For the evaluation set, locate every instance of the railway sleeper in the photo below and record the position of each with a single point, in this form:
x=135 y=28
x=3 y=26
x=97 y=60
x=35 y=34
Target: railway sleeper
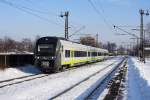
x=115 y=85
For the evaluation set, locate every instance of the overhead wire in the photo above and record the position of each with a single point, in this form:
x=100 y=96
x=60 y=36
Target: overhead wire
x=102 y=9
x=34 y=12
x=104 y=14
x=72 y=27
x=100 y=14
x=126 y=26
x=106 y=21
x=83 y=27
x=29 y=11
x=126 y=31
x=47 y=12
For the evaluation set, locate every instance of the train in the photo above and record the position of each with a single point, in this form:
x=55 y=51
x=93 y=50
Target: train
x=53 y=54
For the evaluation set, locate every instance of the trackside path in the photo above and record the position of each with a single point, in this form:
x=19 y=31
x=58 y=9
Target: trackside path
x=138 y=82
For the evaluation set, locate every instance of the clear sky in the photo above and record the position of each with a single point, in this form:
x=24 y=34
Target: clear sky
x=16 y=23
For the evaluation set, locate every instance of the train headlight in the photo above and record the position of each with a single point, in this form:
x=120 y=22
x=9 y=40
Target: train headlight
x=36 y=57
x=53 y=58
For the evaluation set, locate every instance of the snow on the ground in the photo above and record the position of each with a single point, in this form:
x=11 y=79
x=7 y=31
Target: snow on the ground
x=17 y=53
x=10 y=73
x=147 y=61
x=138 y=80
x=103 y=94
x=49 y=86
x=125 y=86
x=81 y=91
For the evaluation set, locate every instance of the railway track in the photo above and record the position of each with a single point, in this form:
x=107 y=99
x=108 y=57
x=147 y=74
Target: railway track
x=18 y=80
x=116 y=86
x=109 y=83
x=22 y=79
x=84 y=80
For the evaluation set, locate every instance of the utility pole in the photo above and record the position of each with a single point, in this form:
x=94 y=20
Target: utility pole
x=66 y=14
x=137 y=47
x=137 y=43
x=142 y=55
x=97 y=39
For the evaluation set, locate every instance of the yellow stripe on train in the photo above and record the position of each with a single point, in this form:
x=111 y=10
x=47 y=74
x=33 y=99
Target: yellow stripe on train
x=74 y=61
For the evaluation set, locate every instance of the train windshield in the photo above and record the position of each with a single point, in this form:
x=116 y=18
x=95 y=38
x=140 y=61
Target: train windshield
x=46 y=49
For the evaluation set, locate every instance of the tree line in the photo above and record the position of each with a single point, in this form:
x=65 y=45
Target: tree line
x=91 y=41
x=8 y=44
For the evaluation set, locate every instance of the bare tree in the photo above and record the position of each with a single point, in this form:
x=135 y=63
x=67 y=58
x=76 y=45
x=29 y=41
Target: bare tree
x=9 y=44
x=27 y=44
x=111 y=47
x=148 y=30
x=1 y=45
x=121 y=50
x=147 y=34
x=88 y=40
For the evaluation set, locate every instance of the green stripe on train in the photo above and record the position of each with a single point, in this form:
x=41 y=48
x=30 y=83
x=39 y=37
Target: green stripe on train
x=73 y=61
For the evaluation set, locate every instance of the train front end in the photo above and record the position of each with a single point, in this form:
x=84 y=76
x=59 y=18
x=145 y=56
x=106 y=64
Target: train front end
x=46 y=54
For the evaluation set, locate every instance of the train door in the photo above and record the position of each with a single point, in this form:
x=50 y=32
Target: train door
x=62 y=55
x=88 y=56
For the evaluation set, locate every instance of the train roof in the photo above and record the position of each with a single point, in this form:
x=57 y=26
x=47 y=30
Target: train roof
x=63 y=39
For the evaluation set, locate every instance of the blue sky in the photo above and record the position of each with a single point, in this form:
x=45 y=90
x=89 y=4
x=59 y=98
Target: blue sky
x=18 y=24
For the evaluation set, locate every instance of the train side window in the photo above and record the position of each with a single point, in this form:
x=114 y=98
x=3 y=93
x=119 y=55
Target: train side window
x=89 y=54
x=104 y=54
x=80 y=54
x=67 y=53
x=94 y=54
x=99 y=54
x=77 y=54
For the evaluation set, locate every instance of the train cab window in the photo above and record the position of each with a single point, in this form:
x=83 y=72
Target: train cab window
x=67 y=53
x=46 y=49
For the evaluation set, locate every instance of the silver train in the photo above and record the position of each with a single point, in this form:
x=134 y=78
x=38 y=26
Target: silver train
x=53 y=54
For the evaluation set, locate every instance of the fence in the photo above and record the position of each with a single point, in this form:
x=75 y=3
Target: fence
x=13 y=60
